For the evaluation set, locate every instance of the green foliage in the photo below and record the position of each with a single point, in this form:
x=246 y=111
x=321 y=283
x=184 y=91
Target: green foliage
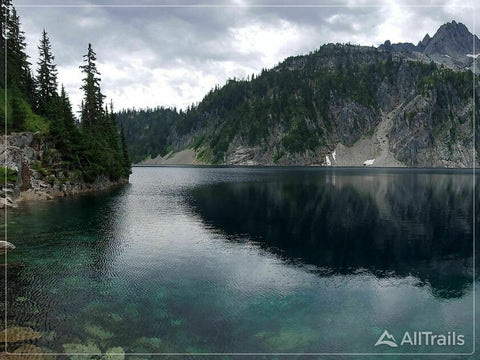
x=277 y=155
x=9 y=174
x=300 y=137
x=148 y=131
x=20 y=114
x=447 y=89
x=459 y=82
x=205 y=155
x=198 y=141
x=46 y=79
x=37 y=166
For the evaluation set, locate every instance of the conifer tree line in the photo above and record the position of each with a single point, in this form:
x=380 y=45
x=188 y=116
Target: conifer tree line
x=90 y=146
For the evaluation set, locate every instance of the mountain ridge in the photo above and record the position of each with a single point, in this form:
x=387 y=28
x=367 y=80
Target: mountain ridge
x=339 y=105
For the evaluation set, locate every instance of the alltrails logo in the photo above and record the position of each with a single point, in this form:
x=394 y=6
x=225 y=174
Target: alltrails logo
x=386 y=339
x=419 y=338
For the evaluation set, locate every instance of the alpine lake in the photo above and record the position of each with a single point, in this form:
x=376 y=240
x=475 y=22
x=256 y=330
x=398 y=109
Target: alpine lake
x=259 y=260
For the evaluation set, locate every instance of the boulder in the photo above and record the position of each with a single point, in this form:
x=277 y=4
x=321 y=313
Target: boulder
x=29 y=352
x=5 y=246
x=19 y=334
x=20 y=139
x=89 y=348
x=5 y=202
x=116 y=353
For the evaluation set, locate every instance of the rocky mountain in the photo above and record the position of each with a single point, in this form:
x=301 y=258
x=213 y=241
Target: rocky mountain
x=395 y=105
x=451 y=46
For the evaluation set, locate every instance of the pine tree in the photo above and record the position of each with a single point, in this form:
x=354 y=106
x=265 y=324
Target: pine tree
x=92 y=108
x=126 y=159
x=30 y=92
x=103 y=155
x=46 y=77
x=63 y=129
x=5 y=10
x=18 y=112
x=116 y=165
x=66 y=109
x=18 y=65
x=18 y=82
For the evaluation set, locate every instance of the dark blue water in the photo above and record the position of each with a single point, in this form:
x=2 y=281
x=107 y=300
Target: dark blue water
x=235 y=260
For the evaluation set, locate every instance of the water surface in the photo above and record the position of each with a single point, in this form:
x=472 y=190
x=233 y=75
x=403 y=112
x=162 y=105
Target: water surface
x=248 y=260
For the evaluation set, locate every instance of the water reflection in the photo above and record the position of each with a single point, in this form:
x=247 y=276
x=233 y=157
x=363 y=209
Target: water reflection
x=246 y=260
x=390 y=224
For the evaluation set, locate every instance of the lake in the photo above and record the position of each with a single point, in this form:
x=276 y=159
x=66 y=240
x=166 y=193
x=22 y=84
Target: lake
x=248 y=260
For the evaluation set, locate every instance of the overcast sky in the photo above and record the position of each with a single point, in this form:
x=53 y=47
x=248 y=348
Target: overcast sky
x=172 y=56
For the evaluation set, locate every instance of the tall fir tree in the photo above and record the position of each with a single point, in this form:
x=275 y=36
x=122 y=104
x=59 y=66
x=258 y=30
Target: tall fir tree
x=92 y=108
x=126 y=159
x=46 y=79
x=19 y=81
x=5 y=10
x=18 y=64
x=63 y=129
x=103 y=154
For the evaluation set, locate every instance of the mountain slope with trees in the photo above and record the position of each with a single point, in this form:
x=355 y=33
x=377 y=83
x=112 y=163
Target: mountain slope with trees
x=340 y=105
x=61 y=152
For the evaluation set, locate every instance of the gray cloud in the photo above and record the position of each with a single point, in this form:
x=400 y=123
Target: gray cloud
x=172 y=56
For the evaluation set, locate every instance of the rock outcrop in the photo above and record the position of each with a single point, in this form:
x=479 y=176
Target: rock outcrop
x=22 y=155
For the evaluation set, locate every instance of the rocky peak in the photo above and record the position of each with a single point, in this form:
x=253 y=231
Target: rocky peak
x=423 y=44
x=451 y=46
x=452 y=39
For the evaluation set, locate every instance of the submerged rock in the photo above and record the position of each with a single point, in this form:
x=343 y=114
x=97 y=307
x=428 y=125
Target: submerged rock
x=149 y=344
x=7 y=202
x=113 y=317
x=18 y=334
x=30 y=352
x=116 y=353
x=49 y=336
x=98 y=332
x=89 y=348
x=5 y=247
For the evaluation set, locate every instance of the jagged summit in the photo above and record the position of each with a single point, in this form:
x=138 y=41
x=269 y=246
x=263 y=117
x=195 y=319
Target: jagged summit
x=423 y=44
x=452 y=39
x=449 y=46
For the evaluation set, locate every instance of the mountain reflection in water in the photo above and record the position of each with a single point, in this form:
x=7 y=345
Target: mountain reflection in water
x=390 y=224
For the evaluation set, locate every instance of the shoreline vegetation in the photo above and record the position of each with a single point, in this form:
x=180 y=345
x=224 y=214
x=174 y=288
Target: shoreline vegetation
x=333 y=167
x=48 y=151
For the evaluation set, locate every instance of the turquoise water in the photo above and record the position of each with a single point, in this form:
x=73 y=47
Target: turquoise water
x=235 y=260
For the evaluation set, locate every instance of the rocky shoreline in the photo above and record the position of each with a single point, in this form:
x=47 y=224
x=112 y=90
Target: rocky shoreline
x=26 y=179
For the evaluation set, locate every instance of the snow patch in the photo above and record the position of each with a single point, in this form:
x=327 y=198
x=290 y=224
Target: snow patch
x=448 y=55
x=327 y=160
x=473 y=56
x=334 y=155
x=368 y=162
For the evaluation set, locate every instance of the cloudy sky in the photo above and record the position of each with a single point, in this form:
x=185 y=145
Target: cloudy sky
x=153 y=54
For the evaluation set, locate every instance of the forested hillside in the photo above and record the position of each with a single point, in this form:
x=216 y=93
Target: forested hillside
x=341 y=104
x=68 y=150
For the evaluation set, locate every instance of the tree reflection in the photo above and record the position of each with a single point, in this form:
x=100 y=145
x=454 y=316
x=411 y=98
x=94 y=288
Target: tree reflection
x=397 y=224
